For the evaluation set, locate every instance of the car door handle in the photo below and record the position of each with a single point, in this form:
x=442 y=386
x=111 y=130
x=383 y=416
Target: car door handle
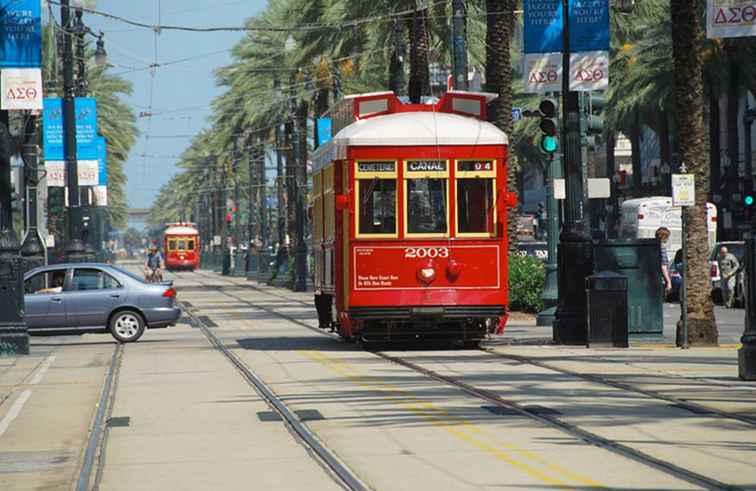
x=115 y=295
x=56 y=299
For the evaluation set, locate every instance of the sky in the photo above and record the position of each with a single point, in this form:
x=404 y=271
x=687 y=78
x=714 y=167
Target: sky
x=180 y=94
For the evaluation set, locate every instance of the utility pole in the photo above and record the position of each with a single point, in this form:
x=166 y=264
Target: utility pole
x=301 y=189
x=575 y=257
x=550 y=293
x=254 y=262
x=459 y=43
x=239 y=256
x=225 y=222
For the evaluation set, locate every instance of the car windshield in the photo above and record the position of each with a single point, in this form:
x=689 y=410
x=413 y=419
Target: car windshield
x=735 y=248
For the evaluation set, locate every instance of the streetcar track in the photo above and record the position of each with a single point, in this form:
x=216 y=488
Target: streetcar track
x=94 y=455
x=542 y=417
x=339 y=471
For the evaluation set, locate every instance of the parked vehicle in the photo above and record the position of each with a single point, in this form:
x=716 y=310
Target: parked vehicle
x=641 y=217
x=737 y=248
x=94 y=297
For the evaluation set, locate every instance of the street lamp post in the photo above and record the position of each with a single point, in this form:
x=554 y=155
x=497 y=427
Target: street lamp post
x=75 y=247
x=747 y=353
x=575 y=257
x=14 y=338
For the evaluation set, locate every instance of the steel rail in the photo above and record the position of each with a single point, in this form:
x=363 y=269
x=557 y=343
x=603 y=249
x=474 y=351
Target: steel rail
x=554 y=422
x=572 y=430
x=597 y=379
x=97 y=434
x=337 y=469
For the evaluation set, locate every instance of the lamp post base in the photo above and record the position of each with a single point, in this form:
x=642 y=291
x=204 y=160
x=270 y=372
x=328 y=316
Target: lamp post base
x=14 y=338
x=747 y=359
x=76 y=252
x=575 y=264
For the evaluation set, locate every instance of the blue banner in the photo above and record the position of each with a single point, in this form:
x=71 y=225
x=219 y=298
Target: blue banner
x=86 y=128
x=20 y=34
x=102 y=160
x=325 y=130
x=589 y=26
x=543 y=26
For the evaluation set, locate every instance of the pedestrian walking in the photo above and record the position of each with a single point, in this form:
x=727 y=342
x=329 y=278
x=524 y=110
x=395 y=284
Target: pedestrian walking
x=728 y=270
x=662 y=233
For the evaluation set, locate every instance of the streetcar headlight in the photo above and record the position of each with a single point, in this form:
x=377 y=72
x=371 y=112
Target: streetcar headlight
x=426 y=273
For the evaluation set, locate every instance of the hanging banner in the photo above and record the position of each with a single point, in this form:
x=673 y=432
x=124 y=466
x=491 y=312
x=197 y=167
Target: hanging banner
x=589 y=26
x=730 y=18
x=86 y=170
x=325 y=128
x=589 y=71
x=86 y=127
x=102 y=160
x=20 y=34
x=543 y=73
x=100 y=195
x=21 y=89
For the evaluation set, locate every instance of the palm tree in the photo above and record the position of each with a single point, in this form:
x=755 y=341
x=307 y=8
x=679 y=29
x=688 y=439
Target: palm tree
x=687 y=48
x=499 y=32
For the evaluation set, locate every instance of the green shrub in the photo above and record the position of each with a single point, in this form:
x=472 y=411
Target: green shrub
x=526 y=281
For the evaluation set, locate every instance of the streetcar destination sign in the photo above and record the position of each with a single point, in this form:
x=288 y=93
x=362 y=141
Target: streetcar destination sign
x=426 y=166
x=387 y=166
x=475 y=165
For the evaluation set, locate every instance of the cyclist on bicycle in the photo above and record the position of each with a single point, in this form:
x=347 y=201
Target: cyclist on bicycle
x=153 y=265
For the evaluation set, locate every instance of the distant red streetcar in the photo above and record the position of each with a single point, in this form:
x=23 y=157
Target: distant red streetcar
x=409 y=220
x=181 y=246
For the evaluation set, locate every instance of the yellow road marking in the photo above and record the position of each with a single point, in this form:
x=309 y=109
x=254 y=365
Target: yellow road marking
x=440 y=418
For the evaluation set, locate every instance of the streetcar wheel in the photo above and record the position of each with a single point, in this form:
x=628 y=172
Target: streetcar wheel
x=127 y=326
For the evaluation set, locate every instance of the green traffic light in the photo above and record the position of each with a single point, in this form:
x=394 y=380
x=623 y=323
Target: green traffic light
x=748 y=200
x=549 y=144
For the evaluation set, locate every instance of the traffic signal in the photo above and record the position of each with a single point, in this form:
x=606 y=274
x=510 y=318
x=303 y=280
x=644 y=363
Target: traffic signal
x=549 y=142
x=593 y=123
x=748 y=200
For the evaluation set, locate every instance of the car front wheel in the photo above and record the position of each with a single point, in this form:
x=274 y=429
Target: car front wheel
x=127 y=326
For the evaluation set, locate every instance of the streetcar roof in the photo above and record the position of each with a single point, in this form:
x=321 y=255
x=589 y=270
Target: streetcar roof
x=407 y=129
x=181 y=231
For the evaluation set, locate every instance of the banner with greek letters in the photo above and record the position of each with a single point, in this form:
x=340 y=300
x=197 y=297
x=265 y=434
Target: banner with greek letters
x=543 y=72
x=589 y=71
x=730 y=18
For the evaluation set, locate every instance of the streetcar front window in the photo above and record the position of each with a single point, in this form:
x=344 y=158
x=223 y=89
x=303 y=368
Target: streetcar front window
x=182 y=245
x=475 y=206
x=426 y=206
x=171 y=245
x=377 y=207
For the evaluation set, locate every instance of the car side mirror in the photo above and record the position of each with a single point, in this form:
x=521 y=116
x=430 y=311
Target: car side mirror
x=342 y=202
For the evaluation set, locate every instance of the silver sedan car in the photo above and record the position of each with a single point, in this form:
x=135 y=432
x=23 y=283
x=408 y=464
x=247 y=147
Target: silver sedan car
x=93 y=297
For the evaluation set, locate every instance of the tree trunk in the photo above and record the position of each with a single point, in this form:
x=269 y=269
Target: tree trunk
x=291 y=226
x=499 y=29
x=419 y=83
x=715 y=165
x=687 y=42
x=665 y=153
x=396 y=81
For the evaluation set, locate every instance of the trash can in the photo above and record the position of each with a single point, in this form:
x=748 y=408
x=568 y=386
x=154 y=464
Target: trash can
x=640 y=261
x=607 y=309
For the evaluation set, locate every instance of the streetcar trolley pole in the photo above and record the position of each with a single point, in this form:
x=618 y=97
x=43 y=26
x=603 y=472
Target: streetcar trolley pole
x=684 y=195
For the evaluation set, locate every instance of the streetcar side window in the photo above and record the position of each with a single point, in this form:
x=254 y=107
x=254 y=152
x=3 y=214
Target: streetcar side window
x=171 y=245
x=426 y=206
x=190 y=245
x=475 y=206
x=377 y=207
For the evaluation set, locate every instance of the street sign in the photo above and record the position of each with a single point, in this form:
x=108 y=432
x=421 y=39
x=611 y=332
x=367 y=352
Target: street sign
x=325 y=129
x=21 y=89
x=683 y=190
x=730 y=18
x=86 y=128
x=516 y=113
x=20 y=34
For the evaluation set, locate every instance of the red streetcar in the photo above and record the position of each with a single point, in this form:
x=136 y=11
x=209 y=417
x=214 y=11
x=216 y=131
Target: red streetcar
x=181 y=244
x=410 y=220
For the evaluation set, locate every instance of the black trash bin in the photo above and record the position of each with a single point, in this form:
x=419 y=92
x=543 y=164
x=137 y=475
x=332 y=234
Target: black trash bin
x=607 y=309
